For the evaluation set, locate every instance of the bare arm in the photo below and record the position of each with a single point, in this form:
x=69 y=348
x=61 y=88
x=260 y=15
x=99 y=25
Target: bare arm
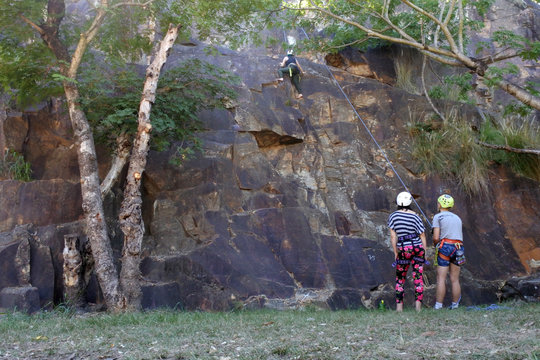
x=423 y=238
x=436 y=235
x=393 y=240
x=283 y=62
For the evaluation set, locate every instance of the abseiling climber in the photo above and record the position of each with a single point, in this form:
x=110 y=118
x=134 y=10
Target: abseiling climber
x=291 y=67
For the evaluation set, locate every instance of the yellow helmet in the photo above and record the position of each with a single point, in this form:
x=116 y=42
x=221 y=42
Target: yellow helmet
x=446 y=201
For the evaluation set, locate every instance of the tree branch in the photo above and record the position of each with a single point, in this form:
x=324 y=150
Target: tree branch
x=426 y=92
x=449 y=13
x=509 y=148
x=128 y=3
x=32 y=24
x=438 y=28
x=456 y=53
x=393 y=26
x=375 y=33
x=86 y=38
x=349 y=44
x=460 y=30
x=497 y=58
x=520 y=94
x=123 y=146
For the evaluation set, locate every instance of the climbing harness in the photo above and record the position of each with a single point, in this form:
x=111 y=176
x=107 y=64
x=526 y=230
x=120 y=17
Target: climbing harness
x=370 y=134
x=292 y=66
x=458 y=251
x=407 y=237
x=418 y=259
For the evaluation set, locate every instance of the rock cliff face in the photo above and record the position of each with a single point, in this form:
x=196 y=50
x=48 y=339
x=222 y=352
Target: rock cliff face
x=286 y=205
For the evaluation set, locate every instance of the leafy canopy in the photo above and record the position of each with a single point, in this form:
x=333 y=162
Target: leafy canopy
x=27 y=66
x=111 y=100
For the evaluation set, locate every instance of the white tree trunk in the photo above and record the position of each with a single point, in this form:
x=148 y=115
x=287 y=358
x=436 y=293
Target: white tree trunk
x=3 y=118
x=123 y=146
x=131 y=221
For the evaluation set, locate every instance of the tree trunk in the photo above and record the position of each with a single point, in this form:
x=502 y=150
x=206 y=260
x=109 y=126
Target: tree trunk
x=3 y=118
x=131 y=221
x=520 y=94
x=123 y=145
x=72 y=270
x=92 y=204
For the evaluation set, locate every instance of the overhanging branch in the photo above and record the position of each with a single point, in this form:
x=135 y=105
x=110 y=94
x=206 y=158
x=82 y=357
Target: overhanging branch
x=509 y=148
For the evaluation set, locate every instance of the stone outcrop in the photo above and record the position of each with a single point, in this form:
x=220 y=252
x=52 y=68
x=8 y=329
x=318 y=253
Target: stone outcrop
x=27 y=270
x=286 y=205
x=525 y=288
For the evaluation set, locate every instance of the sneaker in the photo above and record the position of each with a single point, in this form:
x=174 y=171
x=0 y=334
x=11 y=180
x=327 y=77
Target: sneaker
x=299 y=96
x=453 y=306
x=280 y=79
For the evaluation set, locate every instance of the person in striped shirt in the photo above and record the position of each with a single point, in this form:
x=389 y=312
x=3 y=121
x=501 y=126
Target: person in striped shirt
x=408 y=238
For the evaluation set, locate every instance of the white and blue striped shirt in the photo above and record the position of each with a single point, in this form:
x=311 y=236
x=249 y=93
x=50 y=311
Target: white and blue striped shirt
x=406 y=224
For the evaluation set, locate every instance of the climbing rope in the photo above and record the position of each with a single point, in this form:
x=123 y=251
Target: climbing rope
x=369 y=132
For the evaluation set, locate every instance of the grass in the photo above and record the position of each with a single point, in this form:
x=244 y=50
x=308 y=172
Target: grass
x=450 y=149
x=511 y=333
x=404 y=66
x=518 y=132
x=13 y=166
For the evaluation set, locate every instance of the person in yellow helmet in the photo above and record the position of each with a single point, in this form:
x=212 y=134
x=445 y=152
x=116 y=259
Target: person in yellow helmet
x=448 y=239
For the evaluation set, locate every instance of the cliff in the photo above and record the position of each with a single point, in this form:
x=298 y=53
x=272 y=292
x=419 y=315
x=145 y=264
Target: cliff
x=286 y=205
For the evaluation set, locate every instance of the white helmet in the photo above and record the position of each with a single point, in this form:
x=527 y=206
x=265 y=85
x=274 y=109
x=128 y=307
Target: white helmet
x=290 y=52
x=404 y=199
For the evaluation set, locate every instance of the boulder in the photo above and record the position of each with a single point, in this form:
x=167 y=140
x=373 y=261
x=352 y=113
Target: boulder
x=525 y=288
x=40 y=202
x=21 y=298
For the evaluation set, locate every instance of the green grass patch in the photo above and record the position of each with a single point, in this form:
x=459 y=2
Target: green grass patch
x=14 y=167
x=451 y=150
x=511 y=333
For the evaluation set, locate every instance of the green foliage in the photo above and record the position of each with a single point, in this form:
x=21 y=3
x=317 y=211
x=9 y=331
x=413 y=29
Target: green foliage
x=29 y=68
x=518 y=109
x=495 y=74
x=437 y=92
x=526 y=49
x=111 y=102
x=455 y=88
x=450 y=149
x=370 y=13
x=533 y=87
x=482 y=6
x=27 y=72
x=13 y=166
x=520 y=132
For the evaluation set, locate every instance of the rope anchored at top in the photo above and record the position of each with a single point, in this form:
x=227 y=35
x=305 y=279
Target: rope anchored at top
x=370 y=134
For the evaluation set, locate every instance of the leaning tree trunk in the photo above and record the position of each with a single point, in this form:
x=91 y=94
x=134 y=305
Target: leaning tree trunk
x=3 y=118
x=92 y=204
x=131 y=221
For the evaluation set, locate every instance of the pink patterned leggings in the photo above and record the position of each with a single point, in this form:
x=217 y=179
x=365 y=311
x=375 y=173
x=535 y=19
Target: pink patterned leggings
x=410 y=255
